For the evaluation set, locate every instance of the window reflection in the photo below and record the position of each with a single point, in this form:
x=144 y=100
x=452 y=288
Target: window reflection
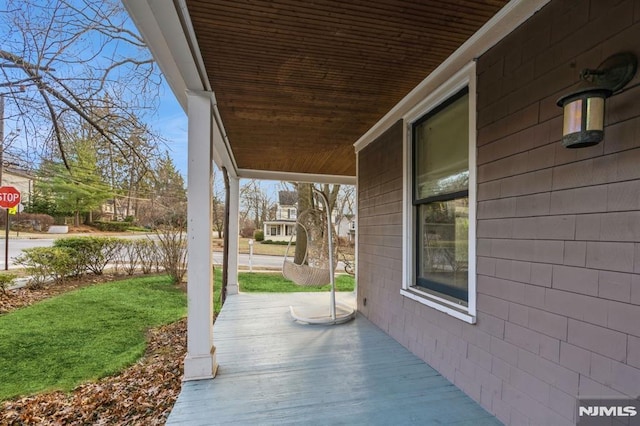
x=441 y=199
x=443 y=263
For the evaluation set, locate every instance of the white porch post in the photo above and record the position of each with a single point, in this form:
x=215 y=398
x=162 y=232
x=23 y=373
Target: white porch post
x=200 y=361
x=234 y=234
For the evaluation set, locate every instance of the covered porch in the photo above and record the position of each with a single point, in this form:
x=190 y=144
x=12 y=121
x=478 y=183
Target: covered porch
x=293 y=91
x=276 y=371
x=284 y=91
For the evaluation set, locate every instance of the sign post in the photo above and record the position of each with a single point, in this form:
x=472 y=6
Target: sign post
x=9 y=198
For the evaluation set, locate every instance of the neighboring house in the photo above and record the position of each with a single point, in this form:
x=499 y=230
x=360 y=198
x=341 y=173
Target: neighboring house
x=282 y=227
x=506 y=261
x=115 y=209
x=21 y=180
x=345 y=227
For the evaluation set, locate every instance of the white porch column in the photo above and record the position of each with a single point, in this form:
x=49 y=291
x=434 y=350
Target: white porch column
x=200 y=361
x=234 y=234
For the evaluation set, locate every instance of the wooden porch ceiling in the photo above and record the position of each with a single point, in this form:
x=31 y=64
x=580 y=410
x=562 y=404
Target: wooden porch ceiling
x=297 y=82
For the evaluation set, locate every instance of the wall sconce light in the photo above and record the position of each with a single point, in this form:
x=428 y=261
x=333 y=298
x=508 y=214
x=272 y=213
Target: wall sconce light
x=583 y=124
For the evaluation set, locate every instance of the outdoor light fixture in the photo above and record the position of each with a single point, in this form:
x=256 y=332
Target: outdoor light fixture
x=584 y=108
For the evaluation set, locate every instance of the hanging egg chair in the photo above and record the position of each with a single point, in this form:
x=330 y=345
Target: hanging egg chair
x=317 y=267
x=314 y=269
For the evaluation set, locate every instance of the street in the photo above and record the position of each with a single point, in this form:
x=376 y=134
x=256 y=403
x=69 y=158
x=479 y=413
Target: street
x=259 y=261
x=16 y=245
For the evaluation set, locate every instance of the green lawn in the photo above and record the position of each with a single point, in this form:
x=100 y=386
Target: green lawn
x=82 y=335
x=275 y=283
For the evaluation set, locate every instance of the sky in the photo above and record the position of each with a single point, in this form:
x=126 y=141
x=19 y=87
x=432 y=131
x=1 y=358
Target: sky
x=171 y=123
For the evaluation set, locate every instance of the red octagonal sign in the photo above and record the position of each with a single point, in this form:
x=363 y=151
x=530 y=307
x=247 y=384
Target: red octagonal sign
x=9 y=197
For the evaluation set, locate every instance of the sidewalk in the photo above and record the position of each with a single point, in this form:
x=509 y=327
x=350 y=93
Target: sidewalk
x=19 y=283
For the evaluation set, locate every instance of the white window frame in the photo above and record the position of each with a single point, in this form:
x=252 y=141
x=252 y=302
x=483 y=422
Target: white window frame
x=466 y=77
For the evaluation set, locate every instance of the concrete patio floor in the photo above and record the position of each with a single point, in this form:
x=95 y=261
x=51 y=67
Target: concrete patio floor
x=276 y=371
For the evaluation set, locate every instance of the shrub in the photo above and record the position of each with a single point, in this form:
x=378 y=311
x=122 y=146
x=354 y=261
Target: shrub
x=148 y=254
x=137 y=229
x=121 y=259
x=91 y=253
x=126 y=257
x=109 y=248
x=346 y=242
x=247 y=231
x=279 y=243
x=5 y=281
x=258 y=235
x=29 y=222
x=112 y=226
x=172 y=246
x=79 y=249
x=46 y=263
x=136 y=253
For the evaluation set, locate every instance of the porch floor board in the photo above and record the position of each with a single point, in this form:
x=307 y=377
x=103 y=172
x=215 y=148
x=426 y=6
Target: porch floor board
x=273 y=370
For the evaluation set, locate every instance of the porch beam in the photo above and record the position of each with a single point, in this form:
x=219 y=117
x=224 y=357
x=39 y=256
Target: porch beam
x=296 y=177
x=200 y=361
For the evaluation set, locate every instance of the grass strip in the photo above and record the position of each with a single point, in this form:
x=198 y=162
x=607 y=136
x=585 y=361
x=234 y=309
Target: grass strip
x=275 y=283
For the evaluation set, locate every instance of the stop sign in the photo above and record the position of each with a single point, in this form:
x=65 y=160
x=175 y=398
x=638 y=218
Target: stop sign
x=9 y=197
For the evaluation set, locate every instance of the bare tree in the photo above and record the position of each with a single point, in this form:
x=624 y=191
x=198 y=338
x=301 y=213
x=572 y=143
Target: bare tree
x=345 y=201
x=345 y=208
x=172 y=248
x=307 y=201
x=71 y=63
x=218 y=198
x=255 y=202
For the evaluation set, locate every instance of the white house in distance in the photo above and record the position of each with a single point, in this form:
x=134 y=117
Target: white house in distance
x=284 y=224
x=345 y=226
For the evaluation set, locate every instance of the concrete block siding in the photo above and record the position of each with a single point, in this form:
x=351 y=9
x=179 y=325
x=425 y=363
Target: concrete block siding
x=558 y=232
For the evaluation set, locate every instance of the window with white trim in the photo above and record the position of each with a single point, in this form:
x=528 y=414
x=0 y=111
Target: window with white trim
x=440 y=200
x=440 y=143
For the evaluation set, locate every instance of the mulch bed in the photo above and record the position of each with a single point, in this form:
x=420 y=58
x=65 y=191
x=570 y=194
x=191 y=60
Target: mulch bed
x=143 y=394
